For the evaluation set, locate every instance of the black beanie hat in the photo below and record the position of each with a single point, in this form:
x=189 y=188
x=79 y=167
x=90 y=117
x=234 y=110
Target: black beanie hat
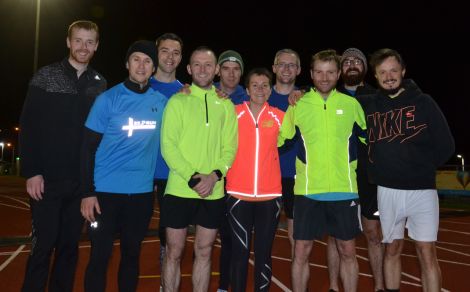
x=147 y=47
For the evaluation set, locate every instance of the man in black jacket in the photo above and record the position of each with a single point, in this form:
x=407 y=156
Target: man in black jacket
x=56 y=106
x=408 y=138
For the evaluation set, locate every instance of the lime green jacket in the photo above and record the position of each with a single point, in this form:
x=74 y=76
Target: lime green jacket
x=199 y=134
x=329 y=129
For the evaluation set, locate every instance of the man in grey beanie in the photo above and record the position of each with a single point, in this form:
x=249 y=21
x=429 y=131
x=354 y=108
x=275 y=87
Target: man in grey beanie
x=231 y=69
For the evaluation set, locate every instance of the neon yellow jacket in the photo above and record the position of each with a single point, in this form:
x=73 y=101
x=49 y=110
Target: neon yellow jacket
x=199 y=134
x=329 y=129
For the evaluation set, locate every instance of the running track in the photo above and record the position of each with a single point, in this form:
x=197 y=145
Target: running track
x=453 y=250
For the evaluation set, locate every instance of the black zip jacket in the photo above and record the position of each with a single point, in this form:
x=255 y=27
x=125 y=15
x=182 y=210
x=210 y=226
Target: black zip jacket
x=54 y=112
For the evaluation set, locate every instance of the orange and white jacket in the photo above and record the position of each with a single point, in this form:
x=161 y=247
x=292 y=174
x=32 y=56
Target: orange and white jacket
x=255 y=174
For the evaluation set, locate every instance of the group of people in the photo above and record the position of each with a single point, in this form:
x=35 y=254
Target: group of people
x=341 y=159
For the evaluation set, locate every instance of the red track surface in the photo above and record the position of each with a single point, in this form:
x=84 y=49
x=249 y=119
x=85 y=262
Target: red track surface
x=453 y=249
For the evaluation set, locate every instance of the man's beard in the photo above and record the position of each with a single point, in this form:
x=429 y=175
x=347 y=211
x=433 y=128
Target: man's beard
x=353 y=80
x=81 y=59
x=392 y=91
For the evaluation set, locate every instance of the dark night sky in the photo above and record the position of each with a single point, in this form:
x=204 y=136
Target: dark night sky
x=429 y=35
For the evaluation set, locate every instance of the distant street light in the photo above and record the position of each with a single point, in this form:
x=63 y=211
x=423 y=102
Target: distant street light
x=2 y=145
x=463 y=161
x=36 y=36
x=12 y=153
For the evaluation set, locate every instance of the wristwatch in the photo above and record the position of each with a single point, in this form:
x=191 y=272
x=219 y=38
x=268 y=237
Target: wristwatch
x=218 y=173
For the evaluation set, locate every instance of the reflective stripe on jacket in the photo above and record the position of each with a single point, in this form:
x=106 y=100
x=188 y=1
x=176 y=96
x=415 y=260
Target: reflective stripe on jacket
x=255 y=174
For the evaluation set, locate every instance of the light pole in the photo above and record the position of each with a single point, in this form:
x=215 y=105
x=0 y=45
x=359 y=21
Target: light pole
x=463 y=161
x=12 y=153
x=2 y=145
x=36 y=36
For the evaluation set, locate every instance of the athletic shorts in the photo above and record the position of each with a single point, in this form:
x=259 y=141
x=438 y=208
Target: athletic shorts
x=180 y=212
x=417 y=210
x=313 y=219
x=288 y=196
x=368 y=198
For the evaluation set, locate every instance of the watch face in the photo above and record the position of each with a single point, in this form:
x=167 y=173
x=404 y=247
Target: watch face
x=218 y=173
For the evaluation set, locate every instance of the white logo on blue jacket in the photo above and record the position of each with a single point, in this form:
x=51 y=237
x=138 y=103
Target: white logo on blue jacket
x=138 y=125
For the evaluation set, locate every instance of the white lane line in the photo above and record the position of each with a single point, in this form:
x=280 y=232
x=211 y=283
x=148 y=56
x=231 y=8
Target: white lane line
x=17 y=200
x=453 y=243
x=453 y=251
x=11 y=258
x=454 y=222
x=273 y=279
x=21 y=247
x=453 y=262
x=454 y=231
x=13 y=206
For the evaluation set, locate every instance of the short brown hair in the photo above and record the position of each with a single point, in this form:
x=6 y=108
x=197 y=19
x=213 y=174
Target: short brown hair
x=379 y=56
x=169 y=36
x=326 y=56
x=84 y=24
x=259 y=72
x=289 y=52
x=203 y=49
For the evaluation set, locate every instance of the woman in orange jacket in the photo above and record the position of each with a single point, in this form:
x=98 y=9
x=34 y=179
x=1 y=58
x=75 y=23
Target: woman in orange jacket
x=254 y=183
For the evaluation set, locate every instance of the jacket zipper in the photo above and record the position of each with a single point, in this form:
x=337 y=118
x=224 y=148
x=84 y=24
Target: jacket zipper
x=207 y=111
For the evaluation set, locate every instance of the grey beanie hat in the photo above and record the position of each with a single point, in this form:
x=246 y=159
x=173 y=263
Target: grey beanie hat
x=356 y=53
x=147 y=47
x=231 y=56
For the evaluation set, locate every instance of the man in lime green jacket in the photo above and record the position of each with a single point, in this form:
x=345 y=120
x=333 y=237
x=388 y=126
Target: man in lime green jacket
x=199 y=143
x=326 y=200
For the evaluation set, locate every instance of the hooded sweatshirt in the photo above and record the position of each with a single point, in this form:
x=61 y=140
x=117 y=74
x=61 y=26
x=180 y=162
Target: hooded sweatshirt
x=408 y=138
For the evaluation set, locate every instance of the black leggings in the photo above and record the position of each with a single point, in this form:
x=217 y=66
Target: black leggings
x=128 y=215
x=225 y=253
x=244 y=216
x=161 y=186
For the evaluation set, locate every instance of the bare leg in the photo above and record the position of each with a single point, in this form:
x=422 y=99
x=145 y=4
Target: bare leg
x=375 y=248
x=349 y=268
x=430 y=271
x=300 y=265
x=332 y=257
x=290 y=234
x=202 y=263
x=172 y=264
x=392 y=264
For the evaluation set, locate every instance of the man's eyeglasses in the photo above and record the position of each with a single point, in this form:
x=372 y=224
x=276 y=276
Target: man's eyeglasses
x=291 y=66
x=352 y=62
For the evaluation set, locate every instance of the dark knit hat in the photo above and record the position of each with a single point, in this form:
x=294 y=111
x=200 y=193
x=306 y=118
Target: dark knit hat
x=355 y=53
x=231 y=56
x=147 y=47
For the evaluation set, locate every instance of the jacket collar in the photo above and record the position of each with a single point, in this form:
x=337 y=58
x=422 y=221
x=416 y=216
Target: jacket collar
x=198 y=91
x=132 y=86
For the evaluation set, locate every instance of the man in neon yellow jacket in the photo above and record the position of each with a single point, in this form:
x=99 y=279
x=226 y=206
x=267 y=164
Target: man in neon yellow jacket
x=326 y=200
x=199 y=143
